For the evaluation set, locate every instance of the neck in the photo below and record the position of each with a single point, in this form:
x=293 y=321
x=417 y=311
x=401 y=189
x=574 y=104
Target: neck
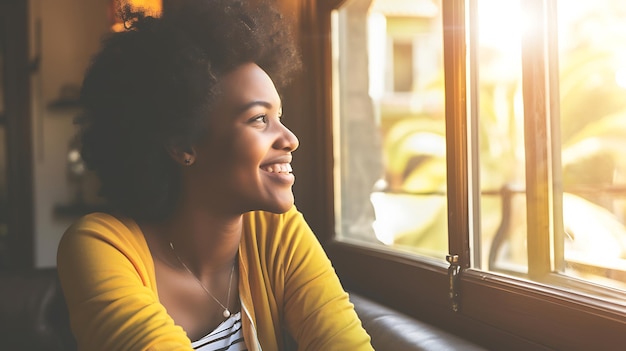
x=206 y=243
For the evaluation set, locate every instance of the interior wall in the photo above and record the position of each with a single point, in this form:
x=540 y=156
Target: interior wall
x=64 y=34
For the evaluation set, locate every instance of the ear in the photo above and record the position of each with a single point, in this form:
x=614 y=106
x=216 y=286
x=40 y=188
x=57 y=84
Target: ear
x=184 y=155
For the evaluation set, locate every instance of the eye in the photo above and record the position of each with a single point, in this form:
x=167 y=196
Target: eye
x=259 y=119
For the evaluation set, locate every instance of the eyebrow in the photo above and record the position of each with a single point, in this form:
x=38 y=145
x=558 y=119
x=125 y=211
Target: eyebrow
x=254 y=103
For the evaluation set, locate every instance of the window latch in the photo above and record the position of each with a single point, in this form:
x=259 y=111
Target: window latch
x=453 y=279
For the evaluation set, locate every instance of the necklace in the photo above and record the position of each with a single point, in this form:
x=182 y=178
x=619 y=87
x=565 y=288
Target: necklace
x=226 y=312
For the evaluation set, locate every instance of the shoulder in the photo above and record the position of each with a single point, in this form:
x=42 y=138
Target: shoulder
x=276 y=234
x=104 y=226
x=99 y=221
x=269 y=225
x=101 y=230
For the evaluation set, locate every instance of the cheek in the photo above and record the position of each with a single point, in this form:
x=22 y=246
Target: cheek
x=238 y=154
x=249 y=150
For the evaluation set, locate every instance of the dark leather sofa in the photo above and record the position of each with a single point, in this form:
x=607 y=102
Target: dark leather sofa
x=33 y=317
x=32 y=312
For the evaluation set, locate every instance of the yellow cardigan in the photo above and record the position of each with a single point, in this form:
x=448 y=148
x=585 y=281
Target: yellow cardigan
x=286 y=283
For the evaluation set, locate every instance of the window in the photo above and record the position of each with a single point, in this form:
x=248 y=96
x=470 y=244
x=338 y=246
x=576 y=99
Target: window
x=388 y=63
x=492 y=131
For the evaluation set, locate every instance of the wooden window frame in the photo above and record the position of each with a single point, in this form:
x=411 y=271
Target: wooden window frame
x=495 y=311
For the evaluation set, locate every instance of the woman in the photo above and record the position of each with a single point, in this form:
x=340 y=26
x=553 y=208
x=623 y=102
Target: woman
x=183 y=126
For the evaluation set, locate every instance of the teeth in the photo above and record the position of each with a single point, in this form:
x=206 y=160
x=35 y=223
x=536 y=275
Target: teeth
x=278 y=168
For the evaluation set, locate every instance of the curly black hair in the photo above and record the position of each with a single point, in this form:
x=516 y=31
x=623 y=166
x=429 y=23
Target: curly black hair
x=152 y=86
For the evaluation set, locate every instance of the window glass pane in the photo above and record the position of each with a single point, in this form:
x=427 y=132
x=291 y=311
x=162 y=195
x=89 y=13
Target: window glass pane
x=389 y=125
x=497 y=67
x=591 y=246
x=592 y=63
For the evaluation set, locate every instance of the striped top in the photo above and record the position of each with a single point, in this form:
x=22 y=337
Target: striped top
x=228 y=336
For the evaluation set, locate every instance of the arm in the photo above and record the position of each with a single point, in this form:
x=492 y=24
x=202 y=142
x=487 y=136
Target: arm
x=107 y=276
x=317 y=310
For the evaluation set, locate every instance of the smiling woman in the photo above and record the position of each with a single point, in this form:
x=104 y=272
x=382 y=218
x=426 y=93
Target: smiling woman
x=204 y=248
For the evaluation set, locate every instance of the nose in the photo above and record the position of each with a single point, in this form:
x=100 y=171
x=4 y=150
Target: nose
x=286 y=140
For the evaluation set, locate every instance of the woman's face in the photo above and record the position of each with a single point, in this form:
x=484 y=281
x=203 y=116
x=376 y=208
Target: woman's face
x=244 y=162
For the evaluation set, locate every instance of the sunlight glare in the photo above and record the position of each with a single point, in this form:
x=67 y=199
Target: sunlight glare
x=620 y=77
x=499 y=25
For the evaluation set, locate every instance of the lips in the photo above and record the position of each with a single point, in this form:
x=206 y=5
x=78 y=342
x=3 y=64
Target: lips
x=278 y=170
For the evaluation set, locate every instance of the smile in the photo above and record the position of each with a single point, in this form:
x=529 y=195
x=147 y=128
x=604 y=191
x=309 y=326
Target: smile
x=280 y=173
x=278 y=168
